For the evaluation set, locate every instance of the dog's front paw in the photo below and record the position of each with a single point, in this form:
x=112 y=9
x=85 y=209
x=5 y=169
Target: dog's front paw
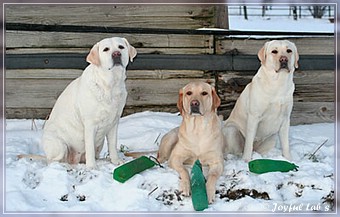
x=185 y=188
x=287 y=156
x=117 y=161
x=246 y=158
x=211 y=194
x=91 y=165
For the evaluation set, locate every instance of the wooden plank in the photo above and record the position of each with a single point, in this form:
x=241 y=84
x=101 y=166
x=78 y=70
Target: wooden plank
x=105 y=12
x=310 y=86
x=312 y=112
x=43 y=74
x=300 y=76
x=166 y=74
x=27 y=113
x=33 y=93
x=155 y=108
x=156 y=92
x=29 y=39
x=156 y=50
x=149 y=16
x=306 y=62
x=309 y=77
x=306 y=46
x=141 y=62
x=314 y=93
x=162 y=61
x=42 y=93
x=314 y=86
x=42 y=113
x=74 y=73
x=303 y=112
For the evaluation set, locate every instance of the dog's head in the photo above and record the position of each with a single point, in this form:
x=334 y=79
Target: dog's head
x=198 y=98
x=111 y=52
x=279 y=55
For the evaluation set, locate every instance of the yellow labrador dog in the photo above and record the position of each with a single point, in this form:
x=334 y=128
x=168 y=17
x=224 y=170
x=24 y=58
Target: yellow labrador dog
x=198 y=137
x=262 y=112
x=88 y=110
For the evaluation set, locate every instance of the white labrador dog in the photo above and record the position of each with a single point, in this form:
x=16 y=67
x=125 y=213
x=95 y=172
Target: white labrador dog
x=262 y=112
x=88 y=110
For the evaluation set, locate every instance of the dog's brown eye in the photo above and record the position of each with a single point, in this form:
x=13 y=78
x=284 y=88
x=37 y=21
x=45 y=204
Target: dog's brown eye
x=121 y=47
x=289 y=51
x=189 y=93
x=274 y=51
x=106 y=49
x=204 y=93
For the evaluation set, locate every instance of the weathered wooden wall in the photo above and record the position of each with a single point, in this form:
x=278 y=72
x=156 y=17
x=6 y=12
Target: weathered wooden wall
x=141 y=16
x=31 y=92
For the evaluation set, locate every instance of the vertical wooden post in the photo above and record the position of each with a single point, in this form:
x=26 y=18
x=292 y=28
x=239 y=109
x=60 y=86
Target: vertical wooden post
x=221 y=20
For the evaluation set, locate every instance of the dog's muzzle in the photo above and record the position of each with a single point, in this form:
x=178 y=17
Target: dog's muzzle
x=195 y=107
x=283 y=62
x=116 y=56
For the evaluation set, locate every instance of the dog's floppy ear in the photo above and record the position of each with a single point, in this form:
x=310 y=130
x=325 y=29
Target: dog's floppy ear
x=131 y=49
x=262 y=54
x=180 y=101
x=216 y=101
x=296 y=58
x=93 y=56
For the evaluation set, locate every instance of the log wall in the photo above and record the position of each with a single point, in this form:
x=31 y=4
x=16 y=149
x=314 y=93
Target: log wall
x=165 y=61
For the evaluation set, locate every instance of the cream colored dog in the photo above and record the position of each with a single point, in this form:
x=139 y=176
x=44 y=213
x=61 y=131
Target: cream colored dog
x=262 y=112
x=89 y=108
x=198 y=137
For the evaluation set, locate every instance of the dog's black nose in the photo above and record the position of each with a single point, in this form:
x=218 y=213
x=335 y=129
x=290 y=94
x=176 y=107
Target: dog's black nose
x=195 y=107
x=116 y=54
x=116 y=57
x=195 y=103
x=283 y=61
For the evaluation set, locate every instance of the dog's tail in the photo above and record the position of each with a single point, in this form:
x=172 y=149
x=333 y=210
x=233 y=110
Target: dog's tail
x=32 y=156
x=128 y=154
x=139 y=154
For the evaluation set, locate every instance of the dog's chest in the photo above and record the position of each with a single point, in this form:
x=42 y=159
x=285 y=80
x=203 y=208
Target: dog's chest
x=275 y=113
x=114 y=105
x=201 y=137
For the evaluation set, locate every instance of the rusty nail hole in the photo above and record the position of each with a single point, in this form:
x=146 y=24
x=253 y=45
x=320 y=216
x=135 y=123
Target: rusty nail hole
x=323 y=109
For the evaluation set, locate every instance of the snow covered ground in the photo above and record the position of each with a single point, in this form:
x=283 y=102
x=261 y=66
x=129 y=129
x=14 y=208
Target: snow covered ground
x=32 y=185
x=278 y=23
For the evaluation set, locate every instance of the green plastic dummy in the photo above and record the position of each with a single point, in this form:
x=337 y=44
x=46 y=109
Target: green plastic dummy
x=126 y=171
x=260 y=166
x=198 y=189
